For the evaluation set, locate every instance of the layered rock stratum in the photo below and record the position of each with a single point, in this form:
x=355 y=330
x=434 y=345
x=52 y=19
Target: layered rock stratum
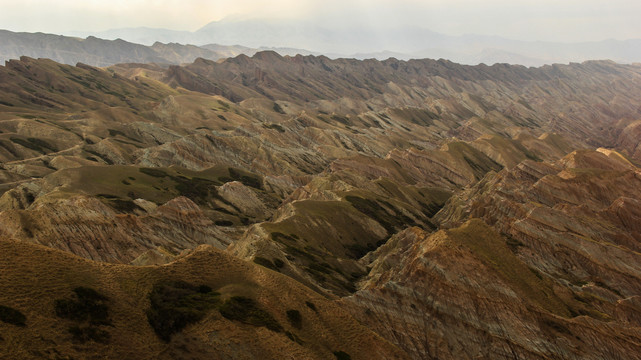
x=427 y=210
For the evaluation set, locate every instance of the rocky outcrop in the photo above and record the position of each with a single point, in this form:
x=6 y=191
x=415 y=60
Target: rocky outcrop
x=245 y=200
x=571 y=220
x=157 y=256
x=89 y=228
x=629 y=139
x=463 y=294
x=21 y=196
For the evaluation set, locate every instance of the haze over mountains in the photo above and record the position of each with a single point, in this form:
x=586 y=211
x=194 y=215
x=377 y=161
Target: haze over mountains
x=99 y=52
x=227 y=38
x=169 y=197
x=383 y=41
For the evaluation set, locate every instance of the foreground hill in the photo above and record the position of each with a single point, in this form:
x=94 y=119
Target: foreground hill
x=35 y=280
x=418 y=197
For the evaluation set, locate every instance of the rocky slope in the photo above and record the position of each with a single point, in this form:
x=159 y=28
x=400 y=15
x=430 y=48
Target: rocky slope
x=571 y=219
x=87 y=227
x=556 y=274
x=423 y=194
x=463 y=294
x=116 y=213
x=473 y=99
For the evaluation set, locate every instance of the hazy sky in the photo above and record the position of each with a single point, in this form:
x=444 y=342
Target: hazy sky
x=550 y=20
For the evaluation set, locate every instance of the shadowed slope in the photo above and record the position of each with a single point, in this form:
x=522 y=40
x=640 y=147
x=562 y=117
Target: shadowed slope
x=34 y=276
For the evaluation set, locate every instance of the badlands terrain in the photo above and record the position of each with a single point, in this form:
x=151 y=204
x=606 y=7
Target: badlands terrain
x=300 y=207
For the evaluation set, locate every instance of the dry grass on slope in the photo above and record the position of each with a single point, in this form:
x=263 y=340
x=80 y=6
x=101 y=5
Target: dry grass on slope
x=33 y=278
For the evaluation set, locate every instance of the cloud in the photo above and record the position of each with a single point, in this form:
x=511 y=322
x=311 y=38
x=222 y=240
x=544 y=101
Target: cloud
x=569 y=20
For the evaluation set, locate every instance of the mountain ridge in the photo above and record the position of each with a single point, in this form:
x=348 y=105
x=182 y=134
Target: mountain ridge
x=100 y=52
x=410 y=42
x=413 y=197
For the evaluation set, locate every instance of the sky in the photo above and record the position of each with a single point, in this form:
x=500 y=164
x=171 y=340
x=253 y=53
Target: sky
x=532 y=20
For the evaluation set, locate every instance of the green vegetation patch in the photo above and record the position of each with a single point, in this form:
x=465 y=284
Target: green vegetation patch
x=342 y=355
x=275 y=265
x=322 y=267
x=223 y=223
x=280 y=237
x=492 y=249
x=83 y=334
x=9 y=147
x=87 y=305
x=197 y=188
x=103 y=157
x=342 y=119
x=246 y=178
x=247 y=311
x=553 y=325
x=513 y=243
x=320 y=233
x=480 y=163
x=293 y=337
x=114 y=132
x=279 y=263
x=155 y=172
x=276 y=127
x=422 y=117
x=176 y=304
x=265 y=262
x=120 y=205
x=278 y=108
x=36 y=144
x=12 y=316
x=295 y=318
x=311 y=305
x=89 y=310
x=374 y=210
x=357 y=251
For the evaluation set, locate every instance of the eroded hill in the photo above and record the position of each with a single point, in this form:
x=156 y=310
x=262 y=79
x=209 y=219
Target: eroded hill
x=418 y=197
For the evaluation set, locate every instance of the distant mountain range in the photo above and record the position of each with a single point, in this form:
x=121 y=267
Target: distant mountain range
x=146 y=45
x=99 y=52
x=381 y=43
